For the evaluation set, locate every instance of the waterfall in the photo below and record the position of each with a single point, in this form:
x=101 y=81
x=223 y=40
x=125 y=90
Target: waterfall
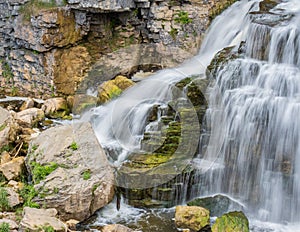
x=251 y=146
x=253 y=115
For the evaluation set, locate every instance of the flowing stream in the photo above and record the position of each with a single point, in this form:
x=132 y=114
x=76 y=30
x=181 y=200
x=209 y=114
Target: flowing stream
x=253 y=124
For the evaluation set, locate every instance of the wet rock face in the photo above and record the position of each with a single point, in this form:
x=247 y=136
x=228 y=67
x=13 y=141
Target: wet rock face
x=153 y=178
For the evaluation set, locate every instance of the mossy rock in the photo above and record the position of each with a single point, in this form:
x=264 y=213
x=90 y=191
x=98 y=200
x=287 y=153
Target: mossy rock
x=231 y=222
x=113 y=88
x=191 y=217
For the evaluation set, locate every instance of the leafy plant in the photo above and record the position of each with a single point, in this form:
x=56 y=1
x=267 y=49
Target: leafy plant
x=28 y=192
x=86 y=175
x=74 y=146
x=183 y=18
x=4 y=227
x=4 y=203
x=39 y=172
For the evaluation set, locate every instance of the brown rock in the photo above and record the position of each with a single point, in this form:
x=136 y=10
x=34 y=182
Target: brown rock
x=5 y=157
x=30 y=117
x=72 y=224
x=55 y=107
x=123 y=82
x=28 y=103
x=33 y=219
x=13 y=169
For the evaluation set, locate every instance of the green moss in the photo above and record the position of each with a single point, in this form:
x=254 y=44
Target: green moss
x=47 y=228
x=231 y=222
x=4 y=227
x=32 y=7
x=86 y=174
x=173 y=33
x=183 y=18
x=39 y=172
x=4 y=203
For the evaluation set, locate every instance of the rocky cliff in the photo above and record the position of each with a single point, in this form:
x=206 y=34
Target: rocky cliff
x=48 y=46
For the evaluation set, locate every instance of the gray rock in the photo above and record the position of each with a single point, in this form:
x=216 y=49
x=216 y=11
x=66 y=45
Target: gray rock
x=84 y=180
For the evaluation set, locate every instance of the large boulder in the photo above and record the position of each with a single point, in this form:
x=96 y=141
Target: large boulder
x=40 y=219
x=113 y=88
x=80 y=180
x=56 y=107
x=30 y=117
x=217 y=205
x=191 y=217
x=231 y=222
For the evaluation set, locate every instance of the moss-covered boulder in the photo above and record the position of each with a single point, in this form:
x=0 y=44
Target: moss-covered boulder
x=154 y=176
x=231 y=222
x=191 y=217
x=113 y=88
x=56 y=107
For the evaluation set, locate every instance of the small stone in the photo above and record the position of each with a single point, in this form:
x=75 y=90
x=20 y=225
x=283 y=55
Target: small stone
x=13 y=197
x=13 y=169
x=72 y=224
x=116 y=228
x=30 y=117
x=29 y=103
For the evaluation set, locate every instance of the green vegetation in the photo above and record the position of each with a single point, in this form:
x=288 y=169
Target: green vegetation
x=47 y=228
x=4 y=204
x=183 y=18
x=74 y=146
x=7 y=73
x=4 y=227
x=86 y=174
x=32 y=7
x=39 y=172
x=3 y=126
x=28 y=192
x=8 y=148
x=173 y=33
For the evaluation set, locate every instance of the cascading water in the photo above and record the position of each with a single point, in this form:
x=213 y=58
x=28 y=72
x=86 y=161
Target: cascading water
x=252 y=121
x=254 y=106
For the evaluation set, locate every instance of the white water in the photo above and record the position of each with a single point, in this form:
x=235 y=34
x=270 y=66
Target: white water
x=253 y=114
x=255 y=129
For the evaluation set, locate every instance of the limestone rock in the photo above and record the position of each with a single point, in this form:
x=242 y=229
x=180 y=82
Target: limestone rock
x=13 y=197
x=30 y=117
x=191 y=217
x=232 y=222
x=55 y=107
x=34 y=219
x=13 y=169
x=84 y=180
x=110 y=5
x=70 y=68
x=28 y=103
x=8 y=128
x=116 y=228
